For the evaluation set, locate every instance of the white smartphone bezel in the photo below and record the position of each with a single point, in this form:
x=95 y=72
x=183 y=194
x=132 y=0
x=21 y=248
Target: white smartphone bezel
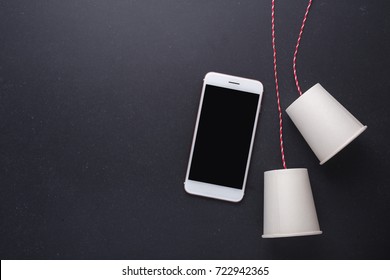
x=217 y=191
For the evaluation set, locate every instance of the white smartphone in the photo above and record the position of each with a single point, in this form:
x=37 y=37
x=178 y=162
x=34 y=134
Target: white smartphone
x=223 y=138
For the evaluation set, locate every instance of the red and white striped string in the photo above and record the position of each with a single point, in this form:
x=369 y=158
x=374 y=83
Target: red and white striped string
x=297 y=47
x=276 y=71
x=277 y=86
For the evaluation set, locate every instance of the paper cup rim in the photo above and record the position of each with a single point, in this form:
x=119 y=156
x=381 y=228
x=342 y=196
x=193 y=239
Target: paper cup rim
x=304 y=233
x=342 y=146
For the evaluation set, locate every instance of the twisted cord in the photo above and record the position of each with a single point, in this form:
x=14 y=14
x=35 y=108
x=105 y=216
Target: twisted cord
x=277 y=86
x=297 y=47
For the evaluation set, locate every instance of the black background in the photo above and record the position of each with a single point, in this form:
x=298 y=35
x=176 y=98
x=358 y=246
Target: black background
x=98 y=102
x=224 y=136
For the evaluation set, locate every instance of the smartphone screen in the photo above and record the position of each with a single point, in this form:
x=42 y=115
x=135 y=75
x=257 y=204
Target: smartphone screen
x=223 y=138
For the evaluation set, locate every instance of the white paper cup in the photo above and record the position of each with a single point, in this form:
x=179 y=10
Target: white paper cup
x=324 y=123
x=289 y=208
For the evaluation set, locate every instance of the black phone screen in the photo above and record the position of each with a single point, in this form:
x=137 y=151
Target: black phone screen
x=224 y=137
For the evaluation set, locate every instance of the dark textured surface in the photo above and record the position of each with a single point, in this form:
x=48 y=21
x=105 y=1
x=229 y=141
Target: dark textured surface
x=98 y=101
